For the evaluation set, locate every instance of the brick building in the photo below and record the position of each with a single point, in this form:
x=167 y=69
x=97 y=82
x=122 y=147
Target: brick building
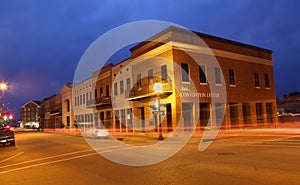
x=29 y=114
x=51 y=112
x=193 y=90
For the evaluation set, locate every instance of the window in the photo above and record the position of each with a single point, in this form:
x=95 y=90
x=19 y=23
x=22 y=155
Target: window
x=121 y=87
x=83 y=98
x=202 y=72
x=107 y=90
x=139 y=80
x=259 y=113
x=96 y=93
x=231 y=77
x=218 y=75
x=256 y=79
x=150 y=74
x=128 y=84
x=267 y=82
x=80 y=99
x=185 y=72
x=87 y=97
x=101 y=91
x=164 y=74
x=68 y=106
x=108 y=115
x=115 y=89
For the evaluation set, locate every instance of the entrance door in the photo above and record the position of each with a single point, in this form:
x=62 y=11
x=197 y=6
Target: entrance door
x=142 y=117
x=204 y=114
x=169 y=117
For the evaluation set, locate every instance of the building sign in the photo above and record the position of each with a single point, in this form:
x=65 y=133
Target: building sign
x=185 y=93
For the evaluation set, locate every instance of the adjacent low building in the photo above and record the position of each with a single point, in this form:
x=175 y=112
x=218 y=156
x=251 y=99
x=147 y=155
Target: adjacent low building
x=29 y=116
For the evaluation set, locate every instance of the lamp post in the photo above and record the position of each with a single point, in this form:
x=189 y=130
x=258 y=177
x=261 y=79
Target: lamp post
x=158 y=90
x=3 y=88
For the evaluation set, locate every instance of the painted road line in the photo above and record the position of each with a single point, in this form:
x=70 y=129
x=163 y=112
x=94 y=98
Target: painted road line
x=56 y=156
x=60 y=160
x=11 y=157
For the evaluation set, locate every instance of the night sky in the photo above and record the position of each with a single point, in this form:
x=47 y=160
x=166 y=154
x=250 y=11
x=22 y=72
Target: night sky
x=42 y=41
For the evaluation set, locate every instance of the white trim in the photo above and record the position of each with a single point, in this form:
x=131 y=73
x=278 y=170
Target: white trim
x=221 y=53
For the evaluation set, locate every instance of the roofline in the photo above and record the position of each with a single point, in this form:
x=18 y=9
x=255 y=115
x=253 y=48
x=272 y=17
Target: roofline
x=35 y=102
x=201 y=35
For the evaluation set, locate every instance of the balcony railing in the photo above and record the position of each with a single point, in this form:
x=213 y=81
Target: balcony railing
x=100 y=101
x=146 y=89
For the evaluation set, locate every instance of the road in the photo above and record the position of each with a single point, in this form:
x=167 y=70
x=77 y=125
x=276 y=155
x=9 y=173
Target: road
x=51 y=158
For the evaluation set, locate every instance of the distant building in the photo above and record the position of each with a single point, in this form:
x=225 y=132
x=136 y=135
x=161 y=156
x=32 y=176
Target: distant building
x=289 y=108
x=84 y=94
x=67 y=108
x=51 y=112
x=29 y=114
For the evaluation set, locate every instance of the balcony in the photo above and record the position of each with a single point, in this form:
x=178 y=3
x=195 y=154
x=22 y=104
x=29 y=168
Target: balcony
x=145 y=89
x=99 y=102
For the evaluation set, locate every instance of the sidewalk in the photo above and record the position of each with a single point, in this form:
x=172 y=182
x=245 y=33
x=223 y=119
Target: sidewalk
x=154 y=136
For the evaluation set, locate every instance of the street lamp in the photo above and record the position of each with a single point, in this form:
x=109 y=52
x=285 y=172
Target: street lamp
x=158 y=89
x=3 y=88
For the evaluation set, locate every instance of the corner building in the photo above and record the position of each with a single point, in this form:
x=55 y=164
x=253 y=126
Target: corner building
x=183 y=65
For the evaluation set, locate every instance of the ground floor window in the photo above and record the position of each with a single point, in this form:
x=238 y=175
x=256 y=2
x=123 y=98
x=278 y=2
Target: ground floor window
x=269 y=111
x=259 y=112
x=246 y=113
x=233 y=110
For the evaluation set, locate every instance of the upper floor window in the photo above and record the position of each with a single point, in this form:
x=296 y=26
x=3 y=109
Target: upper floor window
x=139 y=80
x=202 y=71
x=107 y=90
x=256 y=79
x=128 y=84
x=231 y=77
x=96 y=93
x=185 y=72
x=121 y=87
x=101 y=91
x=150 y=74
x=218 y=75
x=164 y=74
x=115 y=89
x=267 y=82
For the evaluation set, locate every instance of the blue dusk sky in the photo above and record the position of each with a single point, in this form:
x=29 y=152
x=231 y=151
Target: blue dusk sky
x=42 y=41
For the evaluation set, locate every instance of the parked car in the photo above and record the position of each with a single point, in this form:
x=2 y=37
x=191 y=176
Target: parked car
x=7 y=135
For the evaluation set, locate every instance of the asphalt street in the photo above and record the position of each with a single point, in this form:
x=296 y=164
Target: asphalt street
x=51 y=158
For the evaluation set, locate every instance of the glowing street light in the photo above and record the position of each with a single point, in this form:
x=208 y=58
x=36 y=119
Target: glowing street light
x=3 y=86
x=158 y=89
